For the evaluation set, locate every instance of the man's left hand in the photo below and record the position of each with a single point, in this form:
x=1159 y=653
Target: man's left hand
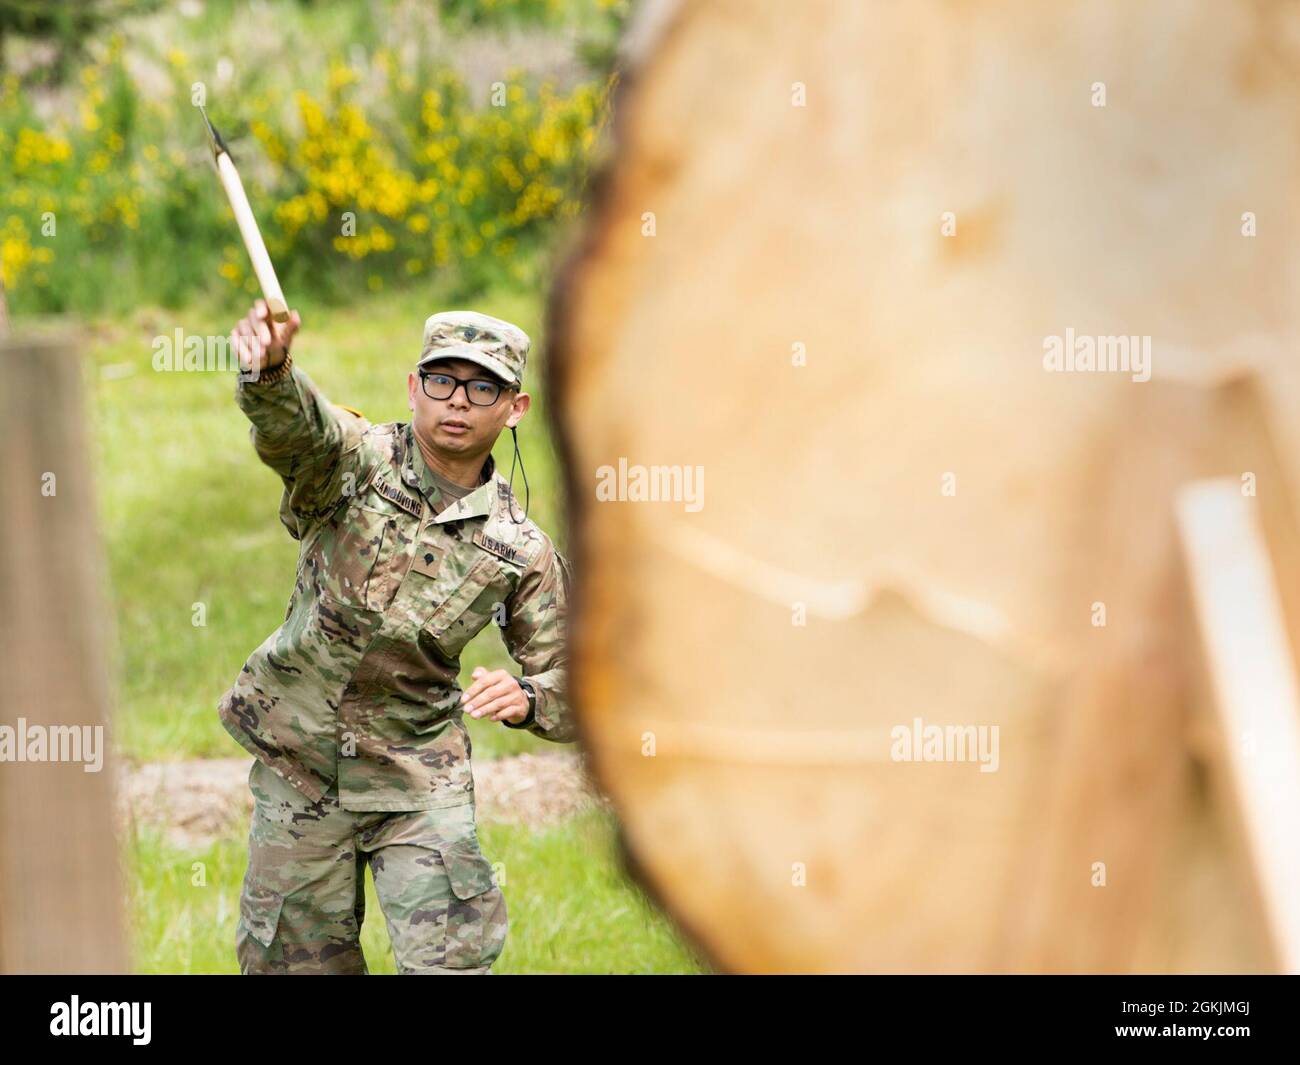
x=495 y=695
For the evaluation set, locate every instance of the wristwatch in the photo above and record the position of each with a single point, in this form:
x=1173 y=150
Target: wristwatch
x=532 y=705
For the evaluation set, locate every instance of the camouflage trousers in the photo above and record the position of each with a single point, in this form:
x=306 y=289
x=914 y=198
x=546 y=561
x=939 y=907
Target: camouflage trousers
x=303 y=899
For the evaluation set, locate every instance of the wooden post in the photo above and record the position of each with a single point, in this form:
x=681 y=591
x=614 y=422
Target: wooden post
x=60 y=889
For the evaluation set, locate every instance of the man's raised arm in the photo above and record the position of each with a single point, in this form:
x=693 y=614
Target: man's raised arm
x=315 y=448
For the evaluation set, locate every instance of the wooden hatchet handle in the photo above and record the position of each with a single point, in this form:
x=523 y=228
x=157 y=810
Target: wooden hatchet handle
x=252 y=238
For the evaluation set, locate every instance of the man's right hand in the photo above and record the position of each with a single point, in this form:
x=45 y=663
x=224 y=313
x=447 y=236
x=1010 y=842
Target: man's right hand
x=262 y=345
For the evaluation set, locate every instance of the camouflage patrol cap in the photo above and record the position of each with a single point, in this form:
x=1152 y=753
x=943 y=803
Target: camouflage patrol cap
x=490 y=342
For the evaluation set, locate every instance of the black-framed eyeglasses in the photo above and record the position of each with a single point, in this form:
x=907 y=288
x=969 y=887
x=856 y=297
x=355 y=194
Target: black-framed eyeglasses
x=478 y=390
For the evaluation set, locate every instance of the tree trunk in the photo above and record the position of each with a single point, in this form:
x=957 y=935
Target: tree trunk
x=832 y=279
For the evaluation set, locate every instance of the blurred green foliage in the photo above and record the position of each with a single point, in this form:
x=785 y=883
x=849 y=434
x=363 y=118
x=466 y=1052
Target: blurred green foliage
x=67 y=24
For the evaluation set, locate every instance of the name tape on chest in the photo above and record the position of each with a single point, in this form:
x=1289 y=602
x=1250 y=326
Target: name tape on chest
x=501 y=549
x=394 y=495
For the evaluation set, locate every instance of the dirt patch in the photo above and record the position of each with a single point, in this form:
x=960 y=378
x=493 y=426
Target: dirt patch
x=534 y=789
x=197 y=801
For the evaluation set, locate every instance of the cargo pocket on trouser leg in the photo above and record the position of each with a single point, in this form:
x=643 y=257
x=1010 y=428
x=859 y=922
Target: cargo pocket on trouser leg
x=259 y=916
x=445 y=913
x=476 y=914
x=298 y=932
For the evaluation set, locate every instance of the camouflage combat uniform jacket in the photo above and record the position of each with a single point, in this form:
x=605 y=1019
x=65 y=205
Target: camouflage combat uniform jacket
x=359 y=685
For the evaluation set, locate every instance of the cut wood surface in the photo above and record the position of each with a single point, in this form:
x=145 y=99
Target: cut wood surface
x=824 y=268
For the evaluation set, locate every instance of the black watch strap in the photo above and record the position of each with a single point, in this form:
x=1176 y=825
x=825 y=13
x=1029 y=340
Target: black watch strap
x=532 y=706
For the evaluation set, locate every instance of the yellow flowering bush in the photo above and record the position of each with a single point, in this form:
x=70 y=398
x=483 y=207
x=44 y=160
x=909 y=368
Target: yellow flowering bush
x=442 y=183
x=383 y=175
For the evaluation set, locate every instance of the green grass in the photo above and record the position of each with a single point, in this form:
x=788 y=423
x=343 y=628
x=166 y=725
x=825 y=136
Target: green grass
x=571 y=910
x=190 y=515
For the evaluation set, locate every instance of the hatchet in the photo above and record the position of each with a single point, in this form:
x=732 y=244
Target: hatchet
x=247 y=224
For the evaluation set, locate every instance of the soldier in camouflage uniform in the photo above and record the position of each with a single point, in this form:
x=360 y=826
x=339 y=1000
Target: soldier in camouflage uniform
x=411 y=543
